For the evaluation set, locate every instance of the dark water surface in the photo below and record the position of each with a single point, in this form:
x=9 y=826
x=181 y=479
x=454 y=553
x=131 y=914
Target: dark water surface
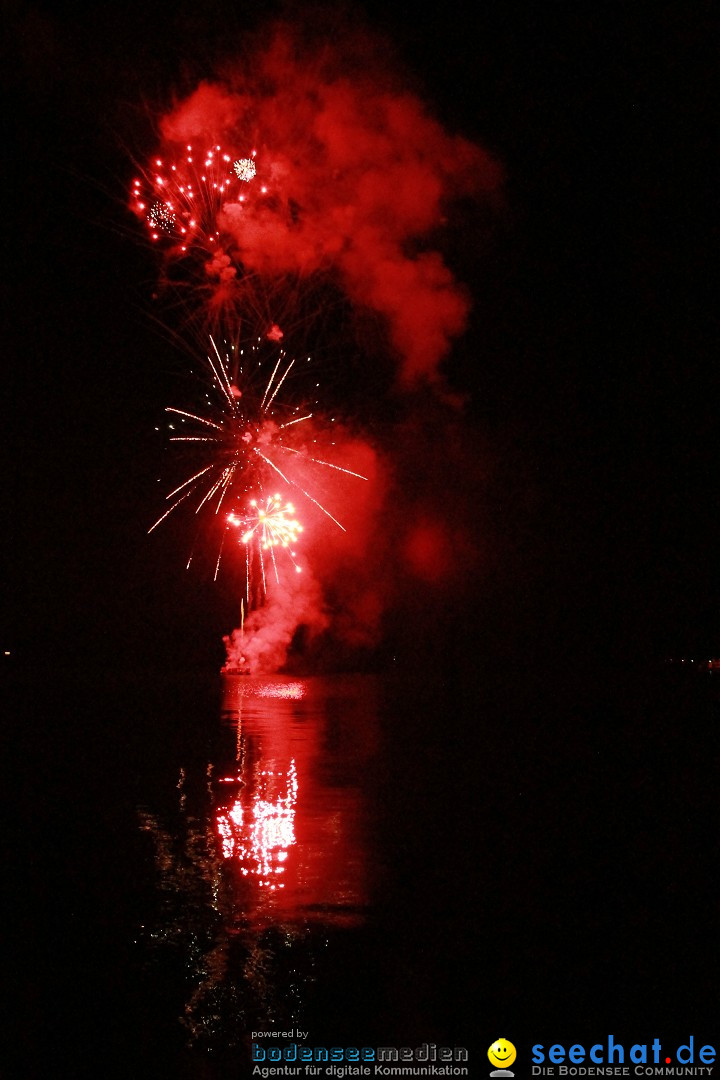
x=375 y=859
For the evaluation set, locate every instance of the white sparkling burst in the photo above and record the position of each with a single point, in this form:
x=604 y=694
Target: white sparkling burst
x=244 y=168
x=161 y=217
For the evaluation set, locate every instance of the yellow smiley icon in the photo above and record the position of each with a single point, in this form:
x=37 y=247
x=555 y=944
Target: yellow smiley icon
x=502 y=1053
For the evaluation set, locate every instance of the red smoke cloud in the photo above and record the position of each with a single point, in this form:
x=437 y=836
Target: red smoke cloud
x=261 y=646
x=354 y=177
x=340 y=584
x=352 y=184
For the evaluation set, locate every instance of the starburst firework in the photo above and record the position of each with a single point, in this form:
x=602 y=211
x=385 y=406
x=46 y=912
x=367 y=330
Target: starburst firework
x=161 y=218
x=245 y=169
x=271 y=524
x=182 y=197
x=248 y=435
x=267 y=525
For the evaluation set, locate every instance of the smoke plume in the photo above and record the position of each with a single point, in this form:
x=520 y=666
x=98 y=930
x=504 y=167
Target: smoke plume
x=354 y=179
x=346 y=178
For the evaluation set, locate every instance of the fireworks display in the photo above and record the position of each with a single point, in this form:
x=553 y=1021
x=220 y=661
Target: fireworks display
x=349 y=182
x=244 y=169
x=161 y=218
x=248 y=436
x=266 y=527
x=272 y=524
x=183 y=196
x=259 y=835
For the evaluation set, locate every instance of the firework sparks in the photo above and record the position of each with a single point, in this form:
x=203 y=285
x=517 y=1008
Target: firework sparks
x=269 y=525
x=273 y=523
x=182 y=197
x=161 y=217
x=342 y=210
x=244 y=437
x=244 y=169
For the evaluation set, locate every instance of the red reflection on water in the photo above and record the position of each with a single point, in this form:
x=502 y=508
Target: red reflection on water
x=260 y=833
x=267 y=842
x=282 y=691
x=245 y=687
x=290 y=821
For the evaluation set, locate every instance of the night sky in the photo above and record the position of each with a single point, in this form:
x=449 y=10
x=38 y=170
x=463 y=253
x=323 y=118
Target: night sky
x=590 y=384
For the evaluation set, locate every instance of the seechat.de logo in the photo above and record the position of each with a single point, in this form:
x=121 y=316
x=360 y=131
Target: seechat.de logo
x=501 y=1054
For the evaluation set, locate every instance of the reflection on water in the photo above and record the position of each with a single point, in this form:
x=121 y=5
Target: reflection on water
x=265 y=851
x=260 y=835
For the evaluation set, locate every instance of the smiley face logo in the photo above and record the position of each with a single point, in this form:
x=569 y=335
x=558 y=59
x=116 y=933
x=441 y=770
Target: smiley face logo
x=502 y=1053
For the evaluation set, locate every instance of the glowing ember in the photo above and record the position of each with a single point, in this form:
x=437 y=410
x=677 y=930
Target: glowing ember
x=270 y=525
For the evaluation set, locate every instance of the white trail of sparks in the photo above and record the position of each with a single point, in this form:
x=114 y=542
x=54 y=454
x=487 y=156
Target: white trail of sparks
x=192 y=438
x=279 y=385
x=317 y=461
x=220 y=551
x=272 y=555
x=169 y=510
x=226 y=479
x=270 y=382
x=224 y=386
x=188 y=481
x=298 y=421
x=209 y=494
x=192 y=416
x=294 y=483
